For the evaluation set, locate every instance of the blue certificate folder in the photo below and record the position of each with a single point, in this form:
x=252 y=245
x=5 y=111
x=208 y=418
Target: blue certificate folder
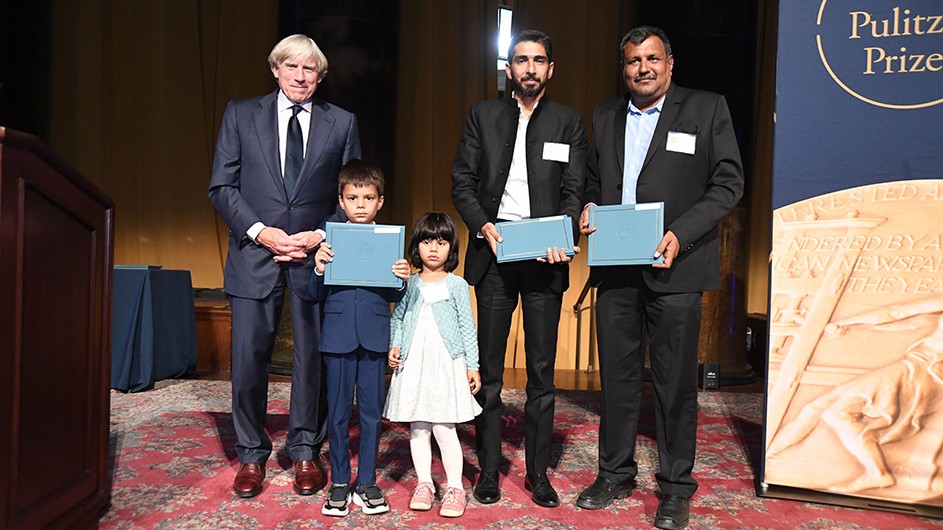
x=626 y=234
x=364 y=254
x=530 y=238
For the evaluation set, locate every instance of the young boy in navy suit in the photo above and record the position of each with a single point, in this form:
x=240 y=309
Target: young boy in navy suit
x=355 y=340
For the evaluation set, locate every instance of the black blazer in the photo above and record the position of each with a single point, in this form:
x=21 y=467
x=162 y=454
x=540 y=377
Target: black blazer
x=480 y=173
x=698 y=189
x=247 y=187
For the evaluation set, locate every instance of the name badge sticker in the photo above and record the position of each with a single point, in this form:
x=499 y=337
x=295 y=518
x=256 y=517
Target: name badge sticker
x=436 y=292
x=557 y=152
x=681 y=142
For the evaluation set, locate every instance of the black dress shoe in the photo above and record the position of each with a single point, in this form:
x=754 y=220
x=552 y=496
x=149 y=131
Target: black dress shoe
x=542 y=493
x=601 y=493
x=673 y=513
x=487 y=490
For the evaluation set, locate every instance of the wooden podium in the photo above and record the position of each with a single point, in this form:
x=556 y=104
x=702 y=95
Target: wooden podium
x=56 y=244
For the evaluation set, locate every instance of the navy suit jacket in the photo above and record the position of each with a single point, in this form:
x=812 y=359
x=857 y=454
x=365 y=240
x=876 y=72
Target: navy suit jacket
x=354 y=316
x=247 y=187
x=698 y=189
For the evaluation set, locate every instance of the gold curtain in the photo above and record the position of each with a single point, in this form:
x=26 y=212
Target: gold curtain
x=447 y=62
x=141 y=88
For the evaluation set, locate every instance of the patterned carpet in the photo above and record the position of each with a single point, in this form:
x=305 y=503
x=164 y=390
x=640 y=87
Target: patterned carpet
x=174 y=463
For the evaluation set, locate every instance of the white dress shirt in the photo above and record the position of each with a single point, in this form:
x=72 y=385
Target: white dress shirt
x=515 y=202
x=284 y=105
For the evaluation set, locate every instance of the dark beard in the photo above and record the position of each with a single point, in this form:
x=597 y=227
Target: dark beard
x=528 y=92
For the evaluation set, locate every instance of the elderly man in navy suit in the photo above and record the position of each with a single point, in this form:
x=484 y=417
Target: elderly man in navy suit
x=274 y=182
x=660 y=142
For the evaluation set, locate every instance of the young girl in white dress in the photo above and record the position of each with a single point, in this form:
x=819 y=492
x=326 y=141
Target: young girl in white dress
x=434 y=350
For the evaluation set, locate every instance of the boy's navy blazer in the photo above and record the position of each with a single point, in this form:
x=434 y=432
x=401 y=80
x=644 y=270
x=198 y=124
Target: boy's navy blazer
x=354 y=316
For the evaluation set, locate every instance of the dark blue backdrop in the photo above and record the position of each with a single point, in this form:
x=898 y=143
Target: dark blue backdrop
x=828 y=139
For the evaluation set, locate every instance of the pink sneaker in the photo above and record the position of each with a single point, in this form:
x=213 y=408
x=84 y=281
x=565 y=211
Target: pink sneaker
x=422 y=497
x=453 y=503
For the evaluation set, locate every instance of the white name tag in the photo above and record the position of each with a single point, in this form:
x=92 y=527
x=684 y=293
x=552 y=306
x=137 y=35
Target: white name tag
x=435 y=292
x=557 y=152
x=681 y=142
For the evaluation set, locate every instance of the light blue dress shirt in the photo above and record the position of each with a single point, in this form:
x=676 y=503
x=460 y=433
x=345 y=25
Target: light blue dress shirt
x=639 y=129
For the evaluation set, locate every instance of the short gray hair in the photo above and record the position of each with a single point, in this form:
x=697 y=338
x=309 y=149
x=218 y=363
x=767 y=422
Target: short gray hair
x=300 y=46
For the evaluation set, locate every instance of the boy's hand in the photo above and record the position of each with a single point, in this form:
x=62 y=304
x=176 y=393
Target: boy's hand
x=324 y=255
x=474 y=381
x=393 y=357
x=401 y=269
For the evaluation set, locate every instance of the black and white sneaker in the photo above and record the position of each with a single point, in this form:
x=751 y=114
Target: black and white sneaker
x=338 y=497
x=370 y=498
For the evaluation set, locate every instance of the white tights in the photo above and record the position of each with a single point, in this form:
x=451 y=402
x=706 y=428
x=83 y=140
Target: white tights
x=420 y=445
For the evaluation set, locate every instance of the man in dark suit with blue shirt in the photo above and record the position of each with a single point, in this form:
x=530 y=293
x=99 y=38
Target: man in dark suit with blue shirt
x=274 y=182
x=660 y=142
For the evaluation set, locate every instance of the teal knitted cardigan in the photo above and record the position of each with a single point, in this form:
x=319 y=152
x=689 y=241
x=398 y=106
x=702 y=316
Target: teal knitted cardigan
x=453 y=317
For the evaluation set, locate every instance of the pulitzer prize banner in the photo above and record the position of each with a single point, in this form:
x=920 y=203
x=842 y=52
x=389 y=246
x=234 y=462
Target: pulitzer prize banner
x=854 y=402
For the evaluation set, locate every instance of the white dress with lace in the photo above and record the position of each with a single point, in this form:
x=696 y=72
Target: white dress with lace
x=430 y=385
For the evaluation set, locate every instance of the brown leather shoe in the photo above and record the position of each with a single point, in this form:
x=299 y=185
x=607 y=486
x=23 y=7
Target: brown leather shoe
x=248 y=482
x=309 y=477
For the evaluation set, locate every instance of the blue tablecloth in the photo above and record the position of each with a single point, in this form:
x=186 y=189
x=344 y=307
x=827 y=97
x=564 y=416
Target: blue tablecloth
x=153 y=330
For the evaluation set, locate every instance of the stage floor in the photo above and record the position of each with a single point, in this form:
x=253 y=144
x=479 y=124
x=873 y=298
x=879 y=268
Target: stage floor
x=517 y=378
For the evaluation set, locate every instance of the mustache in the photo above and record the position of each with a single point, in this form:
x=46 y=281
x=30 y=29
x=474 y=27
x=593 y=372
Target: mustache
x=530 y=77
x=642 y=77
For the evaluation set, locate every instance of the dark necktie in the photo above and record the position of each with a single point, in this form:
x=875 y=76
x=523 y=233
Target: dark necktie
x=294 y=151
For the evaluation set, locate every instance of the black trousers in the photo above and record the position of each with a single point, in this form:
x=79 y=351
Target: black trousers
x=631 y=318
x=497 y=296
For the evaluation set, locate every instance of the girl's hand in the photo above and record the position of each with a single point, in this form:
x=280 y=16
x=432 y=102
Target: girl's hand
x=324 y=255
x=401 y=269
x=474 y=381
x=393 y=357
